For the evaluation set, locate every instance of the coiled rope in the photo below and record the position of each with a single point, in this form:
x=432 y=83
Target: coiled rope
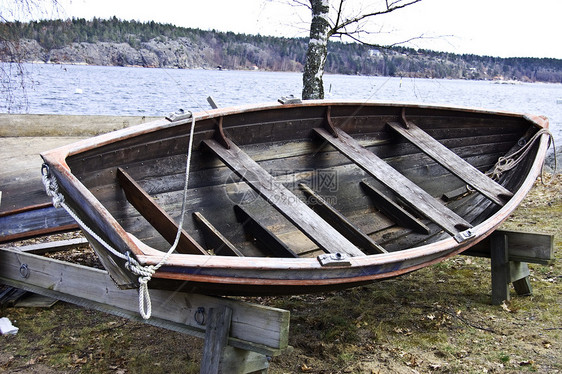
x=506 y=163
x=145 y=273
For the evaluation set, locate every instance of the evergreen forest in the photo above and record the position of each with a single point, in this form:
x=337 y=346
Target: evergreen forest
x=132 y=43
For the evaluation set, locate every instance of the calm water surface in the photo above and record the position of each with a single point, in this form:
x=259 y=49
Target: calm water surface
x=71 y=89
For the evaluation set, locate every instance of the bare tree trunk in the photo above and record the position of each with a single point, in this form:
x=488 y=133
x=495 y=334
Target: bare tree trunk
x=313 y=86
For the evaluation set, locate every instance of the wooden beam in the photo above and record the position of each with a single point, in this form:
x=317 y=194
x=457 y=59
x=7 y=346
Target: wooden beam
x=522 y=247
x=393 y=210
x=38 y=220
x=262 y=234
x=296 y=211
x=452 y=162
x=57 y=246
x=341 y=223
x=519 y=275
x=156 y=216
x=254 y=327
x=408 y=191
x=215 y=241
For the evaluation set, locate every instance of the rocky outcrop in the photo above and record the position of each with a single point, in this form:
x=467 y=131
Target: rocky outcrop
x=179 y=53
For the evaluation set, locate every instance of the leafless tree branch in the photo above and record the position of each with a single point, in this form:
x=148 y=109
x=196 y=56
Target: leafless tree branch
x=390 y=7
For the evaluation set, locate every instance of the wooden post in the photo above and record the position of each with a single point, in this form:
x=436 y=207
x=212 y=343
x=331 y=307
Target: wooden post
x=510 y=252
x=216 y=337
x=218 y=357
x=500 y=268
x=519 y=275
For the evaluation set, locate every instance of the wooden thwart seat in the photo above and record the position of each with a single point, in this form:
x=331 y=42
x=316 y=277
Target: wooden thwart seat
x=452 y=162
x=418 y=198
x=156 y=216
x=296 y=211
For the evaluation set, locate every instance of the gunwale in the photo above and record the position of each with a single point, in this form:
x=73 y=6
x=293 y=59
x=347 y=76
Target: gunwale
x=264 y=274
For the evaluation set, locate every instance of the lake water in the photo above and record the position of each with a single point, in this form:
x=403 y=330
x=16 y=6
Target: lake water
x=72 y=89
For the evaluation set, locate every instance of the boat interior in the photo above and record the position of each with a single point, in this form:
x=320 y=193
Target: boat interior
x=303 y=181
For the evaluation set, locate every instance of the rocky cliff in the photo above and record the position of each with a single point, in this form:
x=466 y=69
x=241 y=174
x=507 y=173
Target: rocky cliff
x=179 y=53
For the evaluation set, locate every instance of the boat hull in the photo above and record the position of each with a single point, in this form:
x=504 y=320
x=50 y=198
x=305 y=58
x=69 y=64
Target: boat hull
x=298 y=198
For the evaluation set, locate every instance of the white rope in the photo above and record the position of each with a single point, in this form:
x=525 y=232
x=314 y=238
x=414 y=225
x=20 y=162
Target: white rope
x=145 y=273
x=509 y=162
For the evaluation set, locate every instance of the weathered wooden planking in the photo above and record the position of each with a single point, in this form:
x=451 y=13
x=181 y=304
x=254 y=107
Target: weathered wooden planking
x=455 y=164
x=216 y=337
x=254 y=327
x=157 y=217
x=262 y=234
x=340 y=223
x=136 y=156
x=318 y=230
x=214 y=239
x=34 y=221
x=418 y=198
x=393 y=210
x=58 y=246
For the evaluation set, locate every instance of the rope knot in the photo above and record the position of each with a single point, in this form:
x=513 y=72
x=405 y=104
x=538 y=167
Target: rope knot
x=51 y=186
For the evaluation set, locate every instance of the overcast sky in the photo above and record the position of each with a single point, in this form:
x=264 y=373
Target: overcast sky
x=504 y=28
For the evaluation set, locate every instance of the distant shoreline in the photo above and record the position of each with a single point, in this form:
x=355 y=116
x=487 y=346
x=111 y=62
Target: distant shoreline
x=115 y=42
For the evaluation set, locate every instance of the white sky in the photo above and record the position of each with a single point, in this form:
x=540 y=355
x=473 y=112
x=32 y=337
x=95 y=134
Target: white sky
x=505 y=28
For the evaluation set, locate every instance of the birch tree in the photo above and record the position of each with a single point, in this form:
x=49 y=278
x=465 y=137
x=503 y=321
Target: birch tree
x=329 y=19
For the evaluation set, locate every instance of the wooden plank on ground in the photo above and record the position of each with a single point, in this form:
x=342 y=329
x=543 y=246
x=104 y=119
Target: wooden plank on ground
x=54 y=246
x=408 y=191
x=156 y=216
x=296 y=211
x=254 y=327
x=452 y=162
x=34 y=221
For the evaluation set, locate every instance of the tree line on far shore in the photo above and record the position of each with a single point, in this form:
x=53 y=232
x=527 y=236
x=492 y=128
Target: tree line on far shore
x=241 y=51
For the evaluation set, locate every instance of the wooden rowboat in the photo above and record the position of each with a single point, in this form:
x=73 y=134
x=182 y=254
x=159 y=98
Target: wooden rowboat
x=300 y=197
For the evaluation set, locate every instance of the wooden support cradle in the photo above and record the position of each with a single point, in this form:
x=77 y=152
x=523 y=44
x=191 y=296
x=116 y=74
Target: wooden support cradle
x=510 y=251
x=239 y=336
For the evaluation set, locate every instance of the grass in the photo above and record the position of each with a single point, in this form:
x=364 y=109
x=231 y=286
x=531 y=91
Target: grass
x=437 y=320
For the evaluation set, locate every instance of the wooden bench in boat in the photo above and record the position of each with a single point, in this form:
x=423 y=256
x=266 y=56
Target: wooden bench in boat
x=452 y=162
x=156 y=216
x=295 y=210
x=408 y=191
